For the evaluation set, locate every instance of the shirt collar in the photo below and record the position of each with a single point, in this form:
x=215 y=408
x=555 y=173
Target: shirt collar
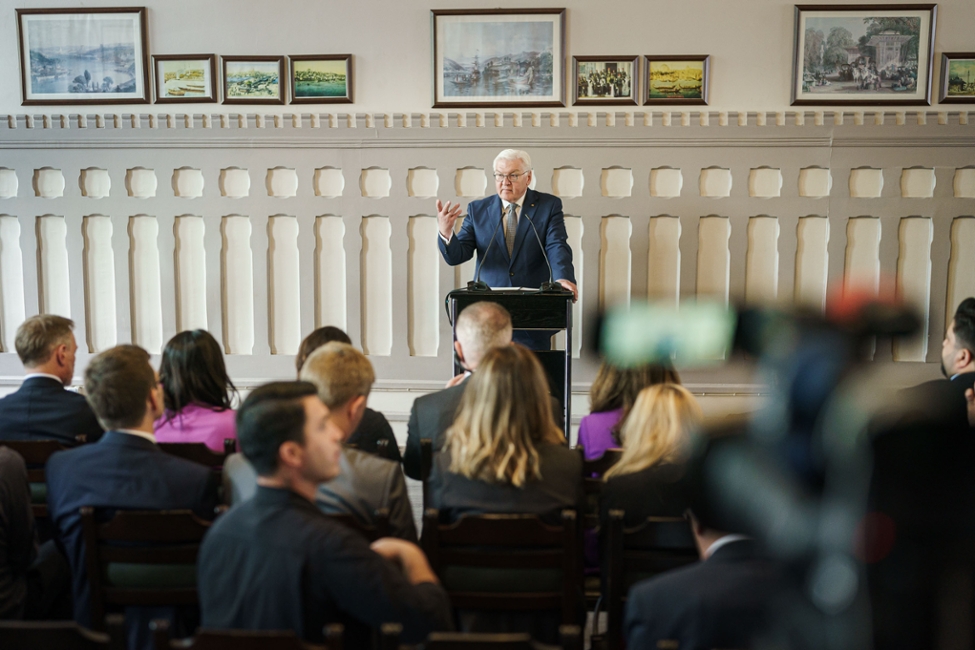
x=142 y=434
x=723 y=541
x=43 y=374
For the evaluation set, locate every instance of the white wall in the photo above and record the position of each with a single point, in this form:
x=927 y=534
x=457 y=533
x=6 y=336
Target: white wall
x=750 y=43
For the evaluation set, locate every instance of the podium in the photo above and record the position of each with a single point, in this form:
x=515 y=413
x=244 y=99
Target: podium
x=531 y=309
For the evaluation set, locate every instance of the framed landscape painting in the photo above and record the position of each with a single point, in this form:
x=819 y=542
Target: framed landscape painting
x=83 y=56
x=681 y=80
x=321 y=79
x=957 y=78
x=253 y=79
x=607 y=80
x=871 y=55
x=185 y=78
x=490 y=58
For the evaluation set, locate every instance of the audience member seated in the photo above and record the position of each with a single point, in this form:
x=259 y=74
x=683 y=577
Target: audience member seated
x=276 y=562
x=656 y=438
x=480 y=327
x=366 y=483
x=504 y=453
x=374 y=427
x=720 y=602
x=35 y=582
x=42 y=409
x=611 y=397
x=197 y=392
x=124 y=470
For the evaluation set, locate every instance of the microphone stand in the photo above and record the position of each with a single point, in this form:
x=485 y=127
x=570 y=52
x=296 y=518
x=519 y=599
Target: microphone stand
x=551 y=286
x=476 y=284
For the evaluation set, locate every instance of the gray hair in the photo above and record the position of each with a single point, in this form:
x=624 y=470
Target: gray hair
x=480 y=327
x=515 y=154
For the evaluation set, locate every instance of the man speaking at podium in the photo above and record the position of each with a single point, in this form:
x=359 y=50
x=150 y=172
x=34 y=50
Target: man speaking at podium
x=519 y=236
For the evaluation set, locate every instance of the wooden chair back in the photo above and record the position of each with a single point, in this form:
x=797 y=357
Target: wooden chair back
x=592 y=482
x=35 y=454
x=633 y=554
x=492 y=544
x=167 y=540
x=570 y=637
x=238 y=639
x=62 y=635
x=379 y=528
x=200 y=453
x=426 y=466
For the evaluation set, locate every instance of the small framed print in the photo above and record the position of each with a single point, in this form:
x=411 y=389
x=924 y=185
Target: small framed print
x=253 y=79
x=321 y=79
x=606 y=80
x=185 y=78
x=957 y=78
x=678 y=80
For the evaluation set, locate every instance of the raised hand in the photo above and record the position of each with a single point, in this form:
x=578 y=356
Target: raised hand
x=446 y=216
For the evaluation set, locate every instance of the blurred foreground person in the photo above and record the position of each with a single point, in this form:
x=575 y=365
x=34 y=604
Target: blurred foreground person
x=276 y=562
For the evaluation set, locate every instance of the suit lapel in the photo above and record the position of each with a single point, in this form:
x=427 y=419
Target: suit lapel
x=528 y=206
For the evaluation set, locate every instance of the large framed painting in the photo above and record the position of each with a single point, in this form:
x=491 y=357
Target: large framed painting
x=253 y=79
x=321 y=79
x=83 y=56
x=874 y=55
x=606 y=80
x=490 y=58
x=679 y=80
x=185 y=78
x=957 y=78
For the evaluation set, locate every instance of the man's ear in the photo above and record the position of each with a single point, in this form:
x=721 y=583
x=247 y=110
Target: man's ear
x=459 y=351
x=356 y=407
x=290 y=454
x=965 y=357
x=154 y=401
x=61 y=354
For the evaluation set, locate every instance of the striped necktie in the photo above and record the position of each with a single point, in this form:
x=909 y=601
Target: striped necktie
x=510 y=226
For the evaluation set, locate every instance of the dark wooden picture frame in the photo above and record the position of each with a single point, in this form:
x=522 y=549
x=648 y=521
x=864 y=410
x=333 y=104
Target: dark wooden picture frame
x=472 y=68
x=863 y=55
x=48 y=77
x=182 y=88
x=302 y=96
x=684 y=88
x=967 y=83
x=602 y=89
x=232 y=89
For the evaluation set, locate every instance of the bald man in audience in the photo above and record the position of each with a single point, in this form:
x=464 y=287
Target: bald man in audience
x=42 y=409
x=480 y=327
x=276 y=562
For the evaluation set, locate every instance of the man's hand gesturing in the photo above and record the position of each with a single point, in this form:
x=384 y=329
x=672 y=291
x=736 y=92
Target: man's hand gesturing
x=446 y=216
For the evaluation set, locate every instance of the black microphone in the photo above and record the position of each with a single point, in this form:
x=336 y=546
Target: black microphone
x=476 y=284
x=551 y=285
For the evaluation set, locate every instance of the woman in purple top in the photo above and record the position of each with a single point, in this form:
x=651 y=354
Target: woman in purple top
x=611 y=397
x=197 y=392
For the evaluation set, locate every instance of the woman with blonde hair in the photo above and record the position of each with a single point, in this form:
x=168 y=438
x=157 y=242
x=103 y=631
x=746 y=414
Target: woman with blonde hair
x=656 y=439
x=611 y=397
x=504 y=453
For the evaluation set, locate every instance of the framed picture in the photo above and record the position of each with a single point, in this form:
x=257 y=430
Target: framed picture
x=679 y=80
x=321 y=79
x=185 y=78
x=607 y=80
x=253 y=79
x=957 y=78
x=490 y=58
x=83 y=56
x=868 y=55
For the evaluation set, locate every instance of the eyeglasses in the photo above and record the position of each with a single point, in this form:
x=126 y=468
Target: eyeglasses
x=511 y=177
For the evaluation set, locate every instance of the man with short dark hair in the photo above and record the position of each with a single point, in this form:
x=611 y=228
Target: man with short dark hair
x=42 y=409
x=480 y=327
x=125 y=470
x=276 y=562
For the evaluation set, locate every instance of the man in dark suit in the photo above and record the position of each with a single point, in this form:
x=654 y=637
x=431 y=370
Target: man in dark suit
x=42 y=409
x=125 y=470
x=480 y=327
x=515 y=258
x=720 y=602
x=275 y=562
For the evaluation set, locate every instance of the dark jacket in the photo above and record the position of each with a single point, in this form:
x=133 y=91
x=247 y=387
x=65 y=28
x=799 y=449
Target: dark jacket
x=42 y=409
x=373 y=428
x=430 y=417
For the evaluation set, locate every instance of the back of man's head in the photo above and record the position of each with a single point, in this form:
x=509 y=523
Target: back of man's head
x=965 y=324
x=39 y=335
x=480 y=327
x=117 y=384
x=340 y=372
x=272 y=415
x=317 y=339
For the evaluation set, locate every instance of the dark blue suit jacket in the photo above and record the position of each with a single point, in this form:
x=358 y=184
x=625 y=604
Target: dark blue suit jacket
x=718 y=603
x=43 y=410
x=526 y=265
x=120 y=472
